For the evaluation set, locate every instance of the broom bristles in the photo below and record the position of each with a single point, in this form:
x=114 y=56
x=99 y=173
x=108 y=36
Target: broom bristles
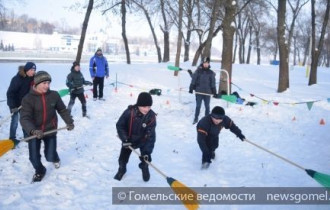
x=323 y=179
x=5 y=146
x=188 y=196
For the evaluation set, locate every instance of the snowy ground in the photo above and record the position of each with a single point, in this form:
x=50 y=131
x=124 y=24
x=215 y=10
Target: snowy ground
x=89 y=153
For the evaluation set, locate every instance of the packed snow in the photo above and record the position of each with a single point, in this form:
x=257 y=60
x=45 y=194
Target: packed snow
x=89 y=153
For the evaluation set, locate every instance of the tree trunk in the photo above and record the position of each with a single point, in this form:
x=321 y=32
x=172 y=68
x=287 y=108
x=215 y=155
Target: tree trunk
x=179 y=43
x=258 y=47
x=84 y=29
x=227 y=50
x=159 y=54
x=166 y=56
x=316 y=52
x=188 y=36
x=123 y=28
x=214 y=17
x=283 y=81
x=235 y=48
x=250 y=45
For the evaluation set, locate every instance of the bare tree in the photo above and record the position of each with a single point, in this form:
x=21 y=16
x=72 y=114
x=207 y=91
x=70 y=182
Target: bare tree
x=142 y=5
x=214 y=17
x=316 y=51
x=227 y=50
x=84 y=29
x=166 y=31
x=179 y=43
x=283 y=81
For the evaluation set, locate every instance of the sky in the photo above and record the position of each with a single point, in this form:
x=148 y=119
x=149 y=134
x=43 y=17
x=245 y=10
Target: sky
x=57 y=10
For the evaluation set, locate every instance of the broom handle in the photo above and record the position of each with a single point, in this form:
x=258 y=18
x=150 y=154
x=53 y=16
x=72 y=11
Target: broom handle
x=266 y=150
x=9 y=116
x=149 y=163
x=45 y=133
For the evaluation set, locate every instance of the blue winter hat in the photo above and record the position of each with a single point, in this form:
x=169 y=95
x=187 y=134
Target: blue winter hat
x=30 y=65
x=218 y=112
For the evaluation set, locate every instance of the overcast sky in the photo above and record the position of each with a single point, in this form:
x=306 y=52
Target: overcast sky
x=57 y=10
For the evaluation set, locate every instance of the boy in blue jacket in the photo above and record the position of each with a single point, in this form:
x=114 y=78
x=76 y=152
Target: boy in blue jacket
x=136 y=128
x=208 y=130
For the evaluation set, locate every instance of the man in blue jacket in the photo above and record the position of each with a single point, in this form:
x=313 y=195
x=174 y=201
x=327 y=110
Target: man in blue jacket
x=98 y=68
x=208 y=130
x=19 y=86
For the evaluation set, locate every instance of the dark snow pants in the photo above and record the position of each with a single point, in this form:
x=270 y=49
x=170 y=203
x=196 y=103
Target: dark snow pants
x=49 y=152
x=98 y=82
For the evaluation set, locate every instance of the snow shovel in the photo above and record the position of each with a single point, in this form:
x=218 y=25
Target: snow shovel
x=323 y=179
x=8 y=144
x=177 y=187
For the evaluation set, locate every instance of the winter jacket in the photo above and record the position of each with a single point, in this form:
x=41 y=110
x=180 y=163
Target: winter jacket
x=39 y=111
x=138 y=129
x=208 y=132
x=203 y=80
x=18 y=88
x=75 y=81
x=98 y=66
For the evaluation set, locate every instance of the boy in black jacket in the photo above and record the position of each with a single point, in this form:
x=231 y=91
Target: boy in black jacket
x=136 y=128
x=208 y=130
x=75 y=81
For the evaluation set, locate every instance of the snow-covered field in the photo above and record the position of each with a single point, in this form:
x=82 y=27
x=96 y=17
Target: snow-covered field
x=89 y=153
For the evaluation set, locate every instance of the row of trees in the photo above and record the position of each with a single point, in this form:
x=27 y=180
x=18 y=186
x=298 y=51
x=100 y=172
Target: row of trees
x=11 y=22
x=267 y=27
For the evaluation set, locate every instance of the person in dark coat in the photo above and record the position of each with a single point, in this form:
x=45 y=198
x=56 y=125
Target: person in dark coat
x=75 y=82
x=136 y=128
x=18 y=88
x=38 y=115
x=99 y=68
x=203 y=82
x=208 y=130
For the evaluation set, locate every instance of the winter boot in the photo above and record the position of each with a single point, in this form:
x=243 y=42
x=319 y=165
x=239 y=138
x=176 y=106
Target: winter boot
x=121 y=171
x=84 y=110
x=195 y=121
x=205 y=165
x=57 y=165
x=145 y=171
x=84 y=114
x=213 y=155
x=37 y=177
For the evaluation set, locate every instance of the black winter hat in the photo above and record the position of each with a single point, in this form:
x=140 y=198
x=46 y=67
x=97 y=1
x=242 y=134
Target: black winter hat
x=41 y=76
x=218 y=112
x=206 y=60
x=74 y=64
x=144 y=99
x=30 y=65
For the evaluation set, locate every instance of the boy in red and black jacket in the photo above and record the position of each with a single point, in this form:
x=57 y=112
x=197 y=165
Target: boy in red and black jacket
x=136 y=128
x=38 y=115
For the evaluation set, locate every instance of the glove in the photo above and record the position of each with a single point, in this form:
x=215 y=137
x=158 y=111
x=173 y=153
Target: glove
x=191 y=91
x=38 y=133
x=126 y=144
x=70 y=127
x=241 y=137
x=13 y=110
x=88 y=83
x=190 y=72
x=214 y=91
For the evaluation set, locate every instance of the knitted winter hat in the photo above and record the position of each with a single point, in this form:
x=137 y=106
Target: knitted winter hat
x=218 y=112
x=40 y=77
x=74 y=64
x=206 y=60
x=99 y=49
x=144 y=99
x=30 y=65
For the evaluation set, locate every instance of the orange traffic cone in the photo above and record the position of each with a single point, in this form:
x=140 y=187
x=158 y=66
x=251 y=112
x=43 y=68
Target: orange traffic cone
x=322 y=122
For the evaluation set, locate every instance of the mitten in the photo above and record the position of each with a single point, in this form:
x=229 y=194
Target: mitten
x=70 y=127
x=38 y=133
